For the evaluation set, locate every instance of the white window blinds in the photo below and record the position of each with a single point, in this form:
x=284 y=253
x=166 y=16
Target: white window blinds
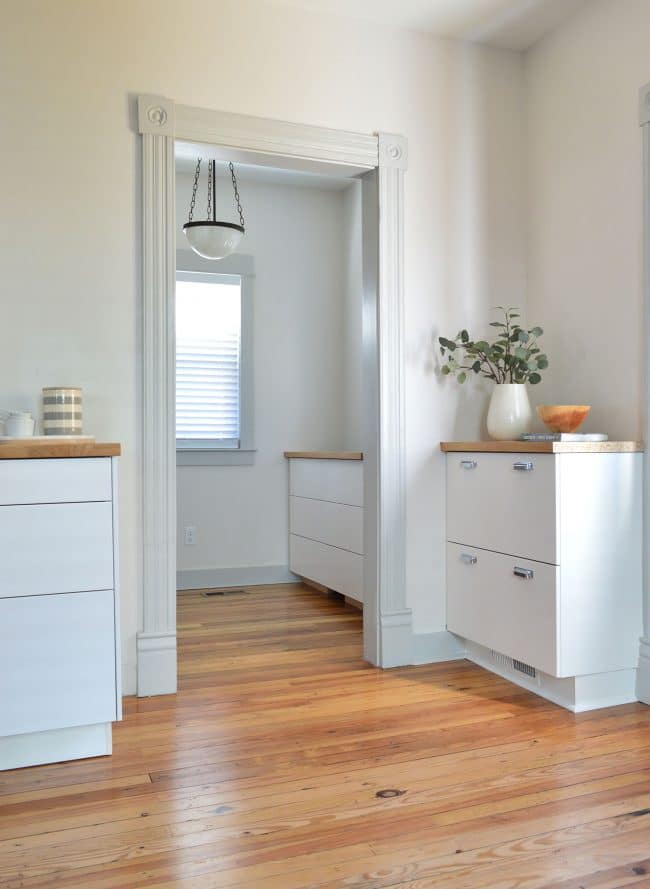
x=208 y=365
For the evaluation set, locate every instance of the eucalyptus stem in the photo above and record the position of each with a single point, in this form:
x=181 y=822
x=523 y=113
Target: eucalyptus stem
x=514 y=355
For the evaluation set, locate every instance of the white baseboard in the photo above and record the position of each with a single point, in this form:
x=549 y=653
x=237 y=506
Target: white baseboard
x=55 y=745
x=575 y=693
x=401 y=647
x=252 y=575
x=395 y=639
x=156 y=664
x=643 y=673
x=432 y=648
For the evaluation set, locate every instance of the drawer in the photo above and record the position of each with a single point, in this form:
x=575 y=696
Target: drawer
x=334 y=523
x=55 y=481
x=504 y=502
x=340 y=481
x=55 y=548
x=57 y=661
x=335 y=568
x=489 y=604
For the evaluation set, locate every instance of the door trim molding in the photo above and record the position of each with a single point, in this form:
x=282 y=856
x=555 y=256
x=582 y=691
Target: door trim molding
x=387 y=619
x=643 y=672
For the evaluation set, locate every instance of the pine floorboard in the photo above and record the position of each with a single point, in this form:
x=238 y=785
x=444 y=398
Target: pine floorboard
x=285 y=761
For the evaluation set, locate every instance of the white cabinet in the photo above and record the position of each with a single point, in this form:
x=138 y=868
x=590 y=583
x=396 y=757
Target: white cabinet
x=507 y=501
x=59 y=671
x=544 y=569
x=326 y=523
x=56 y=548
x=508 y=604
x=59 y=622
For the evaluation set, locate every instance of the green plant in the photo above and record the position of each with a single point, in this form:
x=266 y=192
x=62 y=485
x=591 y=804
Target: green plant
x=514 y=357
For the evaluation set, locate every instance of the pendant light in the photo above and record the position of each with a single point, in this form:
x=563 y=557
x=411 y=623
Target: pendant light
x=209 y=238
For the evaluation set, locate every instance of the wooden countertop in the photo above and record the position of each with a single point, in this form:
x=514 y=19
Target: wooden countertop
x=23 y=449
x=323 y=455
x=542 y=447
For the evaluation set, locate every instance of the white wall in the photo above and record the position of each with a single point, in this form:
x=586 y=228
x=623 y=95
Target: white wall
x=296 y=236
x=584 y=181
x=71 y=305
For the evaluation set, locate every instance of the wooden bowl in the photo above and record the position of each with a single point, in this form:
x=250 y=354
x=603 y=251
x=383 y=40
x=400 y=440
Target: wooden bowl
x=562 y=417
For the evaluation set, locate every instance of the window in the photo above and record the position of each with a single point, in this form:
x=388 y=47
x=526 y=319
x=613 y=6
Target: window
x=213 y=411
x=208 y=342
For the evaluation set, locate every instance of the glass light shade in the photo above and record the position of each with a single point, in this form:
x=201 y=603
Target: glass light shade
x=213 y=240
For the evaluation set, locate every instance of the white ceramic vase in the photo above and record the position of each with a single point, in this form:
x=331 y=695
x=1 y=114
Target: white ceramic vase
x=509 y=414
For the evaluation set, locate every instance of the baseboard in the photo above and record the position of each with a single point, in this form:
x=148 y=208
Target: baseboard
x=432 y=648
x=575 y=693
x=156 y=664
x=401 y=647
x=643 y=673
x=247 y=575
x=55 y=745
x=395 y=639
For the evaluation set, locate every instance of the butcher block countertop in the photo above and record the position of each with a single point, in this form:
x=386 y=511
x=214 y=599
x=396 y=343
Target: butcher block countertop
x=24 y=449
x=542 y=447
x=323 y=455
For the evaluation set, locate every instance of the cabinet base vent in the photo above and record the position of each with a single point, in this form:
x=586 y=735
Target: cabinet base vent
x=524 y=668
x=510 y=663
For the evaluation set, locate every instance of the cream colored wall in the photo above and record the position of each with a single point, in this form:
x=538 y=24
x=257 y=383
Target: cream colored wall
x=71 y=191
x=584 y=182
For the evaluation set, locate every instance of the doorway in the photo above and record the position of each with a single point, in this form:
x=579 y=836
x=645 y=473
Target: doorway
x=380 y=162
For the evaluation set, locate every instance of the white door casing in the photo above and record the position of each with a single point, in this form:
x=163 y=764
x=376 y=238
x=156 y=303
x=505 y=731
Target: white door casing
x=643 y=674
x=387 y=619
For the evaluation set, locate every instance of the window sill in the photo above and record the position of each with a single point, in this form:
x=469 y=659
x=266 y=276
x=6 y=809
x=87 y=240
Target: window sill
x=215 y=457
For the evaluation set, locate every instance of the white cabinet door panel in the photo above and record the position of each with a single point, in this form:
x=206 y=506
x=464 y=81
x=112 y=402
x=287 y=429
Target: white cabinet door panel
x=334 y=523
x=56 y=548
x=340 y=481
x=55 y=481
x=490 y=603
x=504 y=502
x=57 y=661
x=335 y=568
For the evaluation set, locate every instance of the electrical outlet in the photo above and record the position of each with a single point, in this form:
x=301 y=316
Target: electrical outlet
x=190 y=535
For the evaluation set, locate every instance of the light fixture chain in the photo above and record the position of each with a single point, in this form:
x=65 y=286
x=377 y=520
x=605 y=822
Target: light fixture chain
x=209 y=216
x=194 y=188
x=236 y=190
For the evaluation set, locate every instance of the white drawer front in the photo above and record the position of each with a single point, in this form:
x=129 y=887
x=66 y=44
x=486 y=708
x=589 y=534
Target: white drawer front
x=55 y=481
x=334 y=523
x=55 y=548
x=57 y=661
x=503 y=502
x=340 y=481
x=489 y=603
x=335 y=568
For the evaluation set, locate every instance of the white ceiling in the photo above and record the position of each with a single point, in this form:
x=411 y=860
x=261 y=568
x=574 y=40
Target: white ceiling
x=509 y=24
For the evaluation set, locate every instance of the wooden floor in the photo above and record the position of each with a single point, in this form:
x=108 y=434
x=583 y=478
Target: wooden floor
x=286 y=762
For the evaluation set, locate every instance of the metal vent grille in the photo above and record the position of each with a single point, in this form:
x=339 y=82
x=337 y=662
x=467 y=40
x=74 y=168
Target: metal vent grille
x=239 y=591
x=509 y=664
x=524 y=668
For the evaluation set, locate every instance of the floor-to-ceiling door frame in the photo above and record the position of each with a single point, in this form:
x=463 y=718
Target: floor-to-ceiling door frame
x=643 y=673
x=387 y=619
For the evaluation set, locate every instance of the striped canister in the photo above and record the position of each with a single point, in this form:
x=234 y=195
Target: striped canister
x=62 y=411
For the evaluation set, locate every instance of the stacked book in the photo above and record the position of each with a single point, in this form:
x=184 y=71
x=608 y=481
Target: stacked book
x=564 y=436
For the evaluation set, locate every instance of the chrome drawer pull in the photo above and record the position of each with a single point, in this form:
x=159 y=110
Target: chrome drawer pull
x=524 y=466
x=468 y=558
x=526 y=573
x=468 y=464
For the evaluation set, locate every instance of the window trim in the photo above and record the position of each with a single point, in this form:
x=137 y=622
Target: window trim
x=198 y=452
